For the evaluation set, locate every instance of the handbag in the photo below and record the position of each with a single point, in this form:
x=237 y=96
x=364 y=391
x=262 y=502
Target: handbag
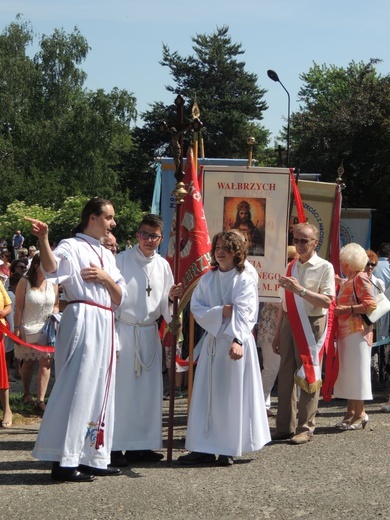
x=382 y=306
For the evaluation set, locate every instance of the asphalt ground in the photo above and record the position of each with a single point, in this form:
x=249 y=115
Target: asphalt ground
x=339 y=474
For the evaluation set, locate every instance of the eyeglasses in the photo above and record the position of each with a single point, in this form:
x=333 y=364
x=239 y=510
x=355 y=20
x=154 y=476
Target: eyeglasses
x=371 y=264
x=144 y=235
x=302 y=240
x=20 y=266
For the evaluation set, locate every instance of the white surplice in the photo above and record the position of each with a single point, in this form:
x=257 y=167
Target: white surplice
x=227 y=414
x=84 y=349
x=139 y=385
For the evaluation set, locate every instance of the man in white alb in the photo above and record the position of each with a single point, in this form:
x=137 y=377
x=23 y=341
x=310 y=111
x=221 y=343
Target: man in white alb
x=77 y=426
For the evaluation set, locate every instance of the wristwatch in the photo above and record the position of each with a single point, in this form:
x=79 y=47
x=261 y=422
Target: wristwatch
x=238 y=341
x=302 y=293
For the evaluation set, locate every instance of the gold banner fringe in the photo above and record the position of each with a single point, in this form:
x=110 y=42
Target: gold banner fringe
x=309 y=388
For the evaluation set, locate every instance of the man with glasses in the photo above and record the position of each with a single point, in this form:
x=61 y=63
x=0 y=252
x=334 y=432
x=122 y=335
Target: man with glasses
x=308 y=290
x=139 y=386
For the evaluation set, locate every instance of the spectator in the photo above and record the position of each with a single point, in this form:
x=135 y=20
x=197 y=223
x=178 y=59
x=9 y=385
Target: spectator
x=382 y=271
x=5 y=310
x=109 y=242
x=3 y=244
x=35 y=300
x=356 y=297
x=17 y=242
x=31 y=253
x=268 y=317
x=9 y=344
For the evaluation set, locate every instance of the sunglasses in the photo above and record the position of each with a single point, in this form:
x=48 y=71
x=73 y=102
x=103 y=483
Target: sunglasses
x=371 y=264
x=302 y=240
x=144 y=235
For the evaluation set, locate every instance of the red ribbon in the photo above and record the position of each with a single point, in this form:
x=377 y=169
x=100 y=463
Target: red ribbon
x=16 y=339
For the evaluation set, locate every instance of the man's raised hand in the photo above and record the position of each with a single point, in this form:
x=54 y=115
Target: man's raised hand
x=38 y=228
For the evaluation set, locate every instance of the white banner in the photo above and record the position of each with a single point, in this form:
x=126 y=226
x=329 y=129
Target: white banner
x=355 y=226
x=255 y=201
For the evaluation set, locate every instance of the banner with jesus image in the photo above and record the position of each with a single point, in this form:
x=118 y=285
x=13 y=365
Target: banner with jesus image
x=256 y=202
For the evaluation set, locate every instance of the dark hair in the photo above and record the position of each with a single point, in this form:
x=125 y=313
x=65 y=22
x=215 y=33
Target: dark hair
x=384 y=249
x=32 y=273
x=7 y=254
x=17 y=261
x=235 y=245
x=13 y=281
x=93 y=207
x=152 y=220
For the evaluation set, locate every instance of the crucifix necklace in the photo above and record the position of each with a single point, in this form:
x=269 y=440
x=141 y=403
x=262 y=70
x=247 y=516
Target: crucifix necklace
x=148 y=288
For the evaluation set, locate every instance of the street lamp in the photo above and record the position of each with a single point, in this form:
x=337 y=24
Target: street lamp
x=272 y=75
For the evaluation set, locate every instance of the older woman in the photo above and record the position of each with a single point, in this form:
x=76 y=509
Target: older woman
x=354 y=341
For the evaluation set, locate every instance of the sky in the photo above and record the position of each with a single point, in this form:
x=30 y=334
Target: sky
x=126 y=38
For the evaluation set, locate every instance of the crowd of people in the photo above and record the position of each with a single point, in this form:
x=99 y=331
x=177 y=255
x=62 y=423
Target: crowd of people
x=105 y=409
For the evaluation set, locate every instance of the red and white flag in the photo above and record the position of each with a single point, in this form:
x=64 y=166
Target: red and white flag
x=195 y=242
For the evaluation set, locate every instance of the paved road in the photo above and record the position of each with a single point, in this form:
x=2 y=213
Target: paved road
x=337 y=475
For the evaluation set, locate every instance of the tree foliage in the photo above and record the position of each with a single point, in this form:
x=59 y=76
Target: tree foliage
x=345 y=116
x=230 y=101
x=58 y=139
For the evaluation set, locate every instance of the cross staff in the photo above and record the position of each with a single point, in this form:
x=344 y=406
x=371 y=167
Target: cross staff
x=177 y=133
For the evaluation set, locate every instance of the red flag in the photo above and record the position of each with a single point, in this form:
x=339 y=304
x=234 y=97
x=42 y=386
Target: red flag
x=195 y=243
x=297 y=198
x=335 y=233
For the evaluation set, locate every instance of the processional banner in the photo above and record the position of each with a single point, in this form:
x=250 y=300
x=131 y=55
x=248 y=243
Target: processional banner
x=356 y=226
x=319 y=205
x=256 y=202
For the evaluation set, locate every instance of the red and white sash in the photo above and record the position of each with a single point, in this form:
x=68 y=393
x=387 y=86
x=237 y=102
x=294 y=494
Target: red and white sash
x=308 y=376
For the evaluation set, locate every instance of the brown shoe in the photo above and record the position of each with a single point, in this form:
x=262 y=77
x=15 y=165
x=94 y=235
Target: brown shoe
x=281 y=436
x=301 y=438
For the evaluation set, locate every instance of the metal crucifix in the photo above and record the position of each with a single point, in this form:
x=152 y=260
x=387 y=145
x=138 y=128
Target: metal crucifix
x=177 y=134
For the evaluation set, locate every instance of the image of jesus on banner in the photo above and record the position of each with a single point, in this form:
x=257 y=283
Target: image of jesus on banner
x=248 y=216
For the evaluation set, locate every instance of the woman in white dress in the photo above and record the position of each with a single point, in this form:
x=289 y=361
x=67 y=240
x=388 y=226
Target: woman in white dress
x=35 y=300
x=227 y=414
x=356 y=297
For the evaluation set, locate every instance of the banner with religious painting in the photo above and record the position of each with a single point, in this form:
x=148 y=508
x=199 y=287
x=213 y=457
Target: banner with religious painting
x=256 y=202
x=319 y=203
x=164 y=201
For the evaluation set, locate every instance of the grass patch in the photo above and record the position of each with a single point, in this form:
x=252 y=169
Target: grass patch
x=23 y=413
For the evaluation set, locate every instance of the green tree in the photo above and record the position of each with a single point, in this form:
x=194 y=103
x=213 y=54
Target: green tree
x=230 y=101
x=345 y=115
x=57 y=139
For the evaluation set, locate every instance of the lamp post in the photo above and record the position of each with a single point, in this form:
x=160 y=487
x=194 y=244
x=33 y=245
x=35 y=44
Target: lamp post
x=272 y=75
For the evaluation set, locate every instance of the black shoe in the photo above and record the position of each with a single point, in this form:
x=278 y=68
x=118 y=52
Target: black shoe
x=100 y=472
x=118 y=460
x=61 y=474
x=196 y=457
x=281 y=436
x=225 y=460
x=143 y=456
